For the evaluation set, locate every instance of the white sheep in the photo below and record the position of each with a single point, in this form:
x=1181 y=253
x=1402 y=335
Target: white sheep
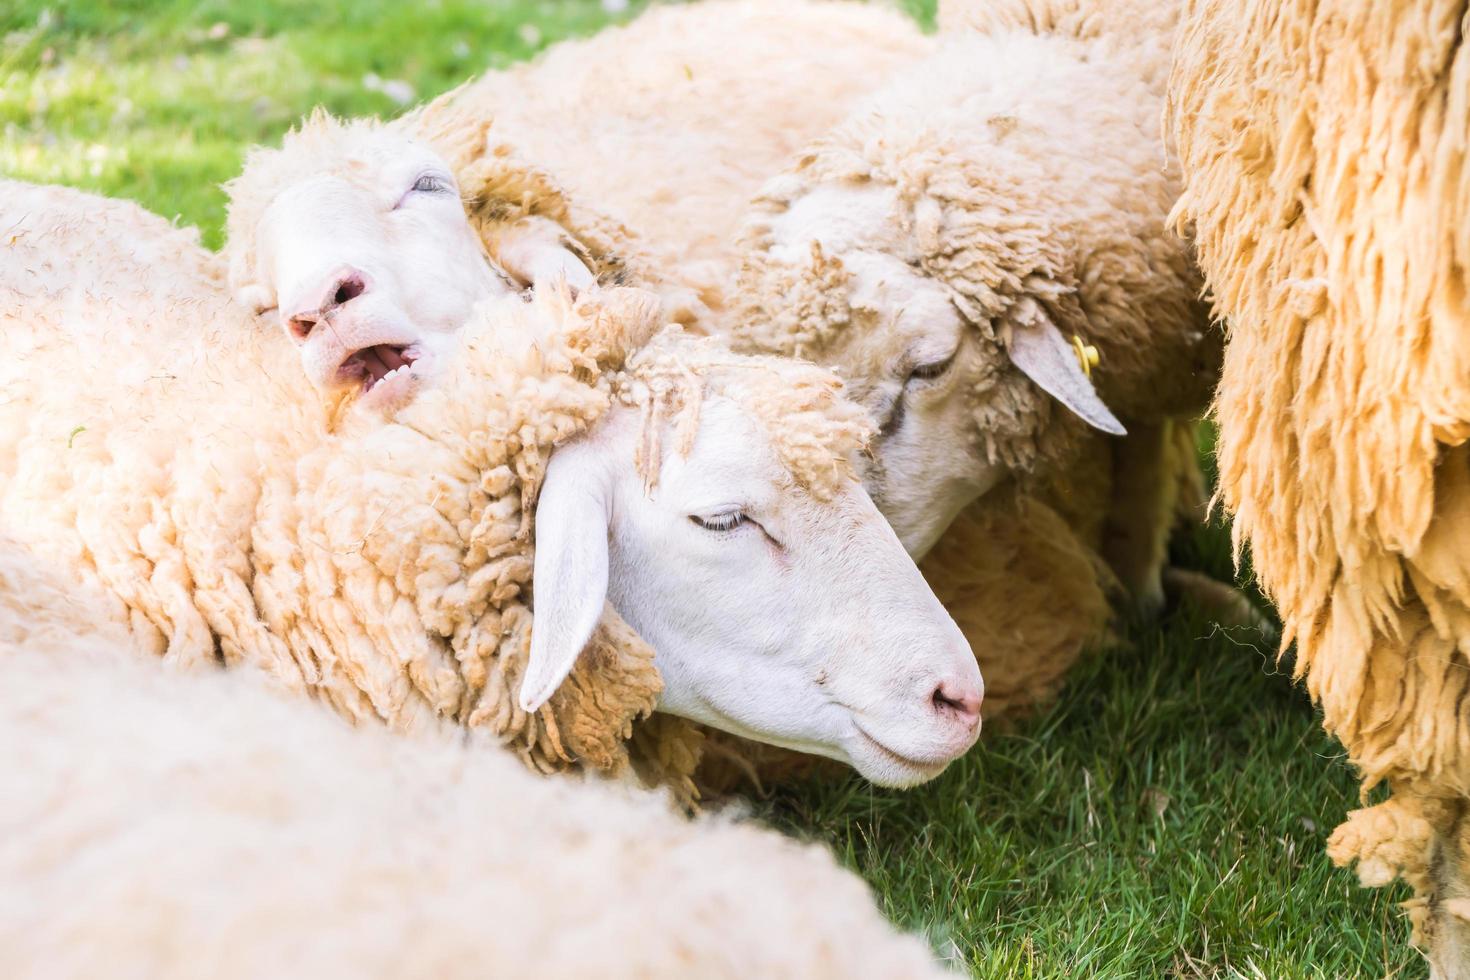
x=379 y=553
x=921 y=246
x=1323 y=149
x=670 y=124
x=175 y=824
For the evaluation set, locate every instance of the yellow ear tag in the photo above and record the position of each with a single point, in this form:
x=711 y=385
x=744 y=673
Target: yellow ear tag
x=1087 y=355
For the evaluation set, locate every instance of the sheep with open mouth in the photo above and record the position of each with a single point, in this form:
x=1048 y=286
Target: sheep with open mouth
x=381 y=554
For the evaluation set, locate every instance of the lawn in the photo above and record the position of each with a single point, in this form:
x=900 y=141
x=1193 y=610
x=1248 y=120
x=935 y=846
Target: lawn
x=1166 y=818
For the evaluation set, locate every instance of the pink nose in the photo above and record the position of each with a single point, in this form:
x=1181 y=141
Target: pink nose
x=341 y=288
x=960 y=701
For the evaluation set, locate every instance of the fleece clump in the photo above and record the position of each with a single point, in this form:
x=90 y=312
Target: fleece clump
x=1323 y=147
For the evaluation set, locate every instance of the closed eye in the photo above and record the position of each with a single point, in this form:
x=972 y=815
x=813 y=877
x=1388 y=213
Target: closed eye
x=425 y=184
x=430 y=184
x=930 y=371
x=726 y=521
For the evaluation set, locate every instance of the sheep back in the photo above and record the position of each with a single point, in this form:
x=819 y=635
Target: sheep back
x=171 y=823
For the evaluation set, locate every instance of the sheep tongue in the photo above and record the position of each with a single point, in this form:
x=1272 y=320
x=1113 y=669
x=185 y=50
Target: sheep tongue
x=391 y=356
x=378 y=360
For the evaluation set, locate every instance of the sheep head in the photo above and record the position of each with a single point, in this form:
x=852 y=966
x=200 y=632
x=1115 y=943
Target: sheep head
x=340 y=236
x=941 y=326
x=709 y=500
x=944 y=255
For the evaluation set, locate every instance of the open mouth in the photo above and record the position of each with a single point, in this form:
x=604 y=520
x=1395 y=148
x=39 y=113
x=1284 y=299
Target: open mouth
x=380 y=364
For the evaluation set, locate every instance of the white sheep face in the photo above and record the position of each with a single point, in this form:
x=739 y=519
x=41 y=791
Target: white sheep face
x=775 y=616
x=370 y=268
x=908 y=357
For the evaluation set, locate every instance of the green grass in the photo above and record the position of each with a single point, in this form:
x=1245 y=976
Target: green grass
x=1167 y=817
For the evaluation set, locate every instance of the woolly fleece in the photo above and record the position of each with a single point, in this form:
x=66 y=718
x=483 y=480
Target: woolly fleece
x=671 y=124
x=184 y=824
x=158 y=444
x=1324 y=148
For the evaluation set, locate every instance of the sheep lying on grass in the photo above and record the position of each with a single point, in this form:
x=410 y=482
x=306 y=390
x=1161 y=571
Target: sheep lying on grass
x=379 y=552
x=1323 y=147
x=173 y=824
x=1028 y=204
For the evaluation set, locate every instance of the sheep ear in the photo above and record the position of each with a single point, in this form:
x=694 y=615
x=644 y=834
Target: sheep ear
x=570 y=578
x=542 y=266
x=534 y=254
x=1049 y=359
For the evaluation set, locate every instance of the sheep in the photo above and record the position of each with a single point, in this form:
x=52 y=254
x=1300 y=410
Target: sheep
x=984 y=231
x=712 y=98
x=380 y=556
x=1086 y=248
x=1322 y=147
x=168 y=823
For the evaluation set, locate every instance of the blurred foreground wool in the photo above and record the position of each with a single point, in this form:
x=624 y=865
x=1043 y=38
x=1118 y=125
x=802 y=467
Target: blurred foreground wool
x=191 y=824
x=1324 y=152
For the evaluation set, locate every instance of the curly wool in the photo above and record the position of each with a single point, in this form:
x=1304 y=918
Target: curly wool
x=1052 y=199
x=383 y=567
x=671 y=123
x=815 y=432
x=1142 y=30
x=1324 y=147
x=210 y=826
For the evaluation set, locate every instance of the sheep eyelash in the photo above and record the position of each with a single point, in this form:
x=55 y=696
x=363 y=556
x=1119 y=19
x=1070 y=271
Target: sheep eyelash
x=429 y=184
x=928 y=372
x=721 y=522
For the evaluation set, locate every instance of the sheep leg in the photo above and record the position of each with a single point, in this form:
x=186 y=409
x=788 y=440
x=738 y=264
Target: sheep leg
x=1449 y=933
x=1141 y=513
x=1222 y=602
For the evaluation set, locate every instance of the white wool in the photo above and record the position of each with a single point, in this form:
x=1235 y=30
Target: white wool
x=171 y=824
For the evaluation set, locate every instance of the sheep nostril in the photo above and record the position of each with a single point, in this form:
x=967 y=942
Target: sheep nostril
x=959 y=700
x=348 y=289
x=301 y=327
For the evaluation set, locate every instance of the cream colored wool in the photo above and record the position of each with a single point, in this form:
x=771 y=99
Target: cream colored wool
x=170 y=824
x=701 y=96
x=1323 y=147
x=1142 y=30
x=672 y=123
x=382 y=566
x=1040 y=174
